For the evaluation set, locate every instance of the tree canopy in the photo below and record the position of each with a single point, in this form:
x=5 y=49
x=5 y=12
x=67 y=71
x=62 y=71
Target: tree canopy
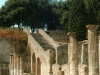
x=70 y=15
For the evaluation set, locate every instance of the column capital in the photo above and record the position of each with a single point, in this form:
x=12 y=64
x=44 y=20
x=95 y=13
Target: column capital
x=71 y=34
x=89 y=27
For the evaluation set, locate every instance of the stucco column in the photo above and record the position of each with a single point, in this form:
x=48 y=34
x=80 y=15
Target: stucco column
x=99 y=51
x=18 y=63
x=15 y=64
x=11 y=65
x=21 y=66
x=93 y=55
x=31 y=65
x=73 y=59
x=84 y=54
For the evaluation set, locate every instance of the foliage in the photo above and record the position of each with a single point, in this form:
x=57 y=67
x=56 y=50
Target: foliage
x=93 y=12
x=76 y=18
x=70 y=15
x=18 y=39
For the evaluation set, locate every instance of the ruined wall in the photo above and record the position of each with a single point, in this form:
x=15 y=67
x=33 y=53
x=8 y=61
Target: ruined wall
x=62 y=54
x=4 y=56
x=59 y=35
x=83 y=57
x=41 y=57
x=74 y=58
x=50 y=40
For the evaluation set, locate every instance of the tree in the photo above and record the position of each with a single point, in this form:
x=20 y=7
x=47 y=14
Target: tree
x=76 y=18
x=64 y=15
x=33 y=13
x=94 y=12
x=5 y=20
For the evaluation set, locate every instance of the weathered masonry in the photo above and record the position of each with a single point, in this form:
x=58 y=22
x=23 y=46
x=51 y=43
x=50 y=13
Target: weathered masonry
x=53 y=53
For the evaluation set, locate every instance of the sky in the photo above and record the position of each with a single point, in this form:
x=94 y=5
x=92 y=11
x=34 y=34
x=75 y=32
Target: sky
x=2 y=2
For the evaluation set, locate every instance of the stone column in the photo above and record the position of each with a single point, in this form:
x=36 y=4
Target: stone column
x=84 y=59
x=31 y=65
x=73 y=59
x=21 y=66
x=84 y=54
x=99 y=52
x=15 y=64
x=18 y=65
x=93 y=55
x=11 y=65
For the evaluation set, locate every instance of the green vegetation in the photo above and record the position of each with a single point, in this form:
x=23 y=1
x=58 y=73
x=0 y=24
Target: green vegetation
x=70 y=15
x=17 y=38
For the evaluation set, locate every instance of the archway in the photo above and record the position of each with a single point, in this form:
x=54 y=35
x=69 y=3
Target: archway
x=33 y=64
x=38 y=67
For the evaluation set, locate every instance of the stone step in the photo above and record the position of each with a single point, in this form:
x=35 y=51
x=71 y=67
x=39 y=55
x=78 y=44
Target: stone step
x=43 y=43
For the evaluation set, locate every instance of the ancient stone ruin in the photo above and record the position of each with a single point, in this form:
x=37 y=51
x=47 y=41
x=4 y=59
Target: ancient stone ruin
x=53 y=53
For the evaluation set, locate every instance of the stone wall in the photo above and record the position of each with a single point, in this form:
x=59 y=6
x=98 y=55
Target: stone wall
x=62 y=54
x=4 y=56
x=41 y=57
x=73 y=58
x=83 y=57
x=48 y=38
x=59 y=35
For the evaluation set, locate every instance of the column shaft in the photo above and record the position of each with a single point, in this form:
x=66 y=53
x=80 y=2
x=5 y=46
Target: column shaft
x=73 y=59
x=18 y=63
x=11 y=65
x=93 y=54
x=21 y=66
x=15 y=64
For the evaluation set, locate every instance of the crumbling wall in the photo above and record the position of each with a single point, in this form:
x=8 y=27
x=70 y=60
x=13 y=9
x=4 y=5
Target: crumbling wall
x=62 y=54
x=83 y=57
x=50 y=40
x=4 y=56
x=59 y=36
x=43 y=56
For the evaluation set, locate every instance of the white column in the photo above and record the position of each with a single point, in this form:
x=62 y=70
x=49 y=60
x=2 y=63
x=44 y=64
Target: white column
x=18 y=65
x=15 y=64
x=11 y=65
x=31 y=64
x=73 y=59
x=93 y=55
x=21 y=66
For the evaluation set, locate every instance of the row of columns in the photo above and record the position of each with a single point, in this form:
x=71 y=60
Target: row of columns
x=16 y=65
x=93 y=55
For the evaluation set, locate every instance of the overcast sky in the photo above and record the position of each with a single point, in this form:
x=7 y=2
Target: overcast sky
x=2 y=2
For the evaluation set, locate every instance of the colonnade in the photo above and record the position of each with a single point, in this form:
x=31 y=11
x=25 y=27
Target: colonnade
x=16 y=65
x=93 y=53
